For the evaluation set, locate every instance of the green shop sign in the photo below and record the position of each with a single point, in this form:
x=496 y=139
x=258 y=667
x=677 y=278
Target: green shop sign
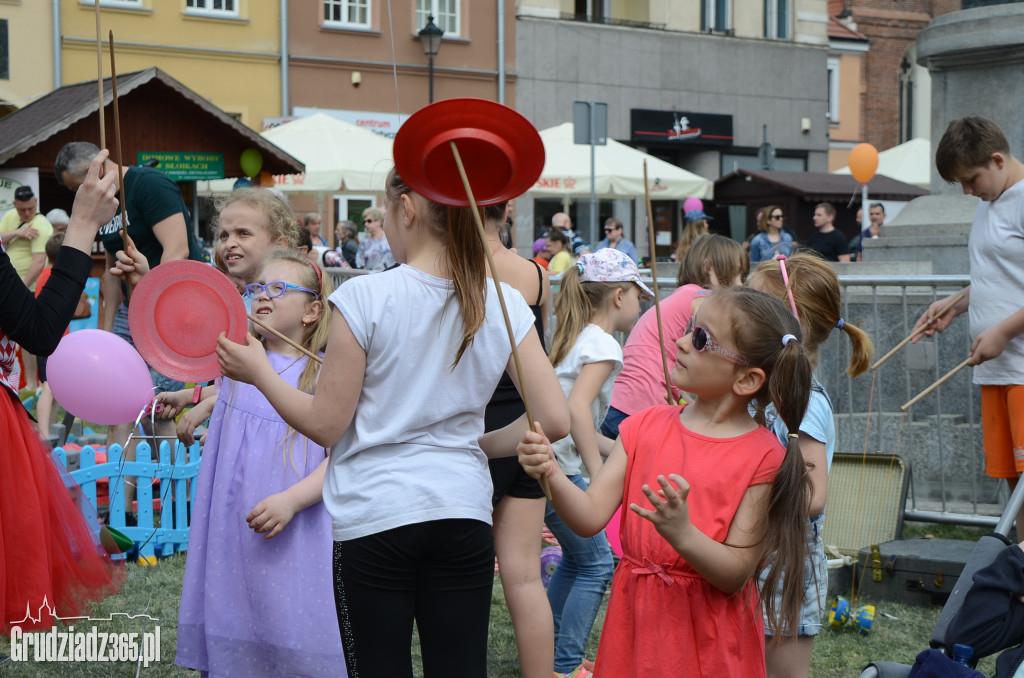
x=186 y=166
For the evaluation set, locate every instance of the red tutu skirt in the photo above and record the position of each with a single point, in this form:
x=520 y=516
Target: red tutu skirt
x=51 y=561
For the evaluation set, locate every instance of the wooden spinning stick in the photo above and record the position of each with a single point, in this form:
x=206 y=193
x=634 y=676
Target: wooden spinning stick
x=952 y=302
x=654 y=277
x=285 y=339
x=501 y=299
x=117 y=142
x=934 y=386
x=99 y=76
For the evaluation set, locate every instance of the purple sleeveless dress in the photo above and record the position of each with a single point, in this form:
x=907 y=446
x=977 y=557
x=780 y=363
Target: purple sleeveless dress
x=255 y=607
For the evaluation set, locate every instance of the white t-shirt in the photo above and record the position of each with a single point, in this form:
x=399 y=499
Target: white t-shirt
x=411 y=454
x=996 y=249
x=594 y=345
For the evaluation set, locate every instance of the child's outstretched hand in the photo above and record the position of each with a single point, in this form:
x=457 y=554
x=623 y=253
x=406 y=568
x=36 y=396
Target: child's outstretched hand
x=131 y=263
x=173 y=402
x=187 y=426
x=192 y=419
x=671 y=513
x=272 y=515
x=241 y=362
x=535 y=453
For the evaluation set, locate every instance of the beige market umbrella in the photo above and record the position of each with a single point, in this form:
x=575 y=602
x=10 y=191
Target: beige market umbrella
x=910 y=162
x=618 y=171
x=337 y=155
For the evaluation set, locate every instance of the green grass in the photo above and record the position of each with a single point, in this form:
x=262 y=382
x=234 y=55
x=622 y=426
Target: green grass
x=838 y=652
x=938 y=531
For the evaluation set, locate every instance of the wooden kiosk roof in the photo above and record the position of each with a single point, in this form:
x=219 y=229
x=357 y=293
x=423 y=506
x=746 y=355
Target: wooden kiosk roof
x=798 y=192
x=157 y=113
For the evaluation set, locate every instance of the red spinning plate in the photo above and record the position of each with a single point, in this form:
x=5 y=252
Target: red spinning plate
x=501 y=151
x=177 y=311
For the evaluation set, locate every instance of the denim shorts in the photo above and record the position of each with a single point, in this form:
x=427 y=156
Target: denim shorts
x=815 y=583
x=161 y=381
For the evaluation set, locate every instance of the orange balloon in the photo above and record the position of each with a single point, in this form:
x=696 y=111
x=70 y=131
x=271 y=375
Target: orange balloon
x=863 y=162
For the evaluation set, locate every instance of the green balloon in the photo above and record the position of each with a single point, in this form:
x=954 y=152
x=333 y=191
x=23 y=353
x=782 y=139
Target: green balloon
x=251 y=161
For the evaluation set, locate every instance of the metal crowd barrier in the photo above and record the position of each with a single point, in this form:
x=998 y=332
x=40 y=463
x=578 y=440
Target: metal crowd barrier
x=940 y=437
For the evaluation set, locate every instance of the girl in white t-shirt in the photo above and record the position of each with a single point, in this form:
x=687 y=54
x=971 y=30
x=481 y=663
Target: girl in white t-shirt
x=414 y=354
x=599 y=295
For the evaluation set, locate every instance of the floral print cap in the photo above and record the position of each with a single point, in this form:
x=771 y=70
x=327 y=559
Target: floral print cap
x=610 y=265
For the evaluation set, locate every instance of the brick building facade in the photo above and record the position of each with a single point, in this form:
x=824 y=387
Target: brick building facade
x=891 y=28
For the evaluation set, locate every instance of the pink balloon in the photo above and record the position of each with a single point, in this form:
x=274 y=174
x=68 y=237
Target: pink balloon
x=693 y=204
x=98 y=377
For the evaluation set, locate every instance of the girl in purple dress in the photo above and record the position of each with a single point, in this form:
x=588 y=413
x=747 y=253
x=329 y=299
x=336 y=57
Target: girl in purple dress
x=258 y=597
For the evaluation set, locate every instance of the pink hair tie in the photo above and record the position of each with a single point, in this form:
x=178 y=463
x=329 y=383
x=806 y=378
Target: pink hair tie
x=785 y=280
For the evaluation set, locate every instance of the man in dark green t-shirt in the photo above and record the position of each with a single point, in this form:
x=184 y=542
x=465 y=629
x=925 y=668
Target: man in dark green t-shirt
x=158 y=220
x=160 y=226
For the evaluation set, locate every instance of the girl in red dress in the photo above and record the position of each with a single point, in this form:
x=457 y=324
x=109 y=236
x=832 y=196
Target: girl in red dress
x=711 y=493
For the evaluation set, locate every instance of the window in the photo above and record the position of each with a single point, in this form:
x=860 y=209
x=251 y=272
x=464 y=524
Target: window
x=134 y=4
x=5 y=63
x=776 y=19
x=592 y=10
x=350 y=208
x=714 y=15
x=906 y=81
x=445 y=12
x=347 y=13
x=229 y=7
x=833 y=90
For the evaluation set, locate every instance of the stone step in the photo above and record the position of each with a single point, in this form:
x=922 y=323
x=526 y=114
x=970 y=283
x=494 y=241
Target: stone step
x=929 y=421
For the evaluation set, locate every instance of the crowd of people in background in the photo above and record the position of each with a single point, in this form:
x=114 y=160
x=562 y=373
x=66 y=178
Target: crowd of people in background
x=713 y=470
x=560 y=246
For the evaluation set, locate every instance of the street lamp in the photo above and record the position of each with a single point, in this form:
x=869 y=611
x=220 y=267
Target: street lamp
x=430 y=35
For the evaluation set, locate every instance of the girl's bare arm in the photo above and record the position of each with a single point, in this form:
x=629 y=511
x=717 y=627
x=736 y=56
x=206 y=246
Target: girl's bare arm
x=586 y=513
x=323 y=417
x=547 y=401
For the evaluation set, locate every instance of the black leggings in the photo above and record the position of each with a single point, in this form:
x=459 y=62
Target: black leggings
x=440 y=574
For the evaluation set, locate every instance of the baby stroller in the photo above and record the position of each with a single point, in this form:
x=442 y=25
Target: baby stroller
x=983 y=554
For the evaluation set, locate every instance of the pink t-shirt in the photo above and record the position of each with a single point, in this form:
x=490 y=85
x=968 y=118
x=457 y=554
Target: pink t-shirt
x=641 y=384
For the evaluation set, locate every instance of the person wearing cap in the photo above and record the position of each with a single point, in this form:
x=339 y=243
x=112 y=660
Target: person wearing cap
x=59 y=219
x=540 y=254
x=600 y=295
x=828 y=242
x=24 y=232
x=695 y=224
x=615 y=239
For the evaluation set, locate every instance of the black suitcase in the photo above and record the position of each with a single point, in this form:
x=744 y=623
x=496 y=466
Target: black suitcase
x=911 y=571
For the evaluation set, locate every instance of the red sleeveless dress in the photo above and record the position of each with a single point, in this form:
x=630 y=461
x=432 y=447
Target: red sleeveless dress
x=51 y=561
x=662 y=615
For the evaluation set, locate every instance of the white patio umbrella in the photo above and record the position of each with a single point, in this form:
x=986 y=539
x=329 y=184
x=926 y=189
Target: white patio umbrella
x=335 y=152
x=910 y=162
x=337 y=155
x=618 y=171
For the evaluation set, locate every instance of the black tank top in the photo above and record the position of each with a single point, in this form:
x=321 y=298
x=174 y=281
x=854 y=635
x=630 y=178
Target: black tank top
x=505 y=405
